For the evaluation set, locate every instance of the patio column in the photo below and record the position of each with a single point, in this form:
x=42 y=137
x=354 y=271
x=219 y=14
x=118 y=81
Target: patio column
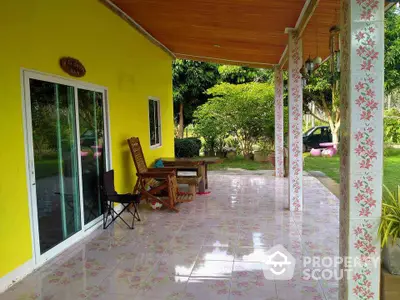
x=295 y=123
x=279 y=134
x=362 y=94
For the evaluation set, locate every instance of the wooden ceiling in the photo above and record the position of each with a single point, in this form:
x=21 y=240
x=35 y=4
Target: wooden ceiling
x=244 y=32
x=316 y=34
x=251 y=32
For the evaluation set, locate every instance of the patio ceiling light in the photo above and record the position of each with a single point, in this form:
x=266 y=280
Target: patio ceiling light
x=304 y=76
x=309 y=65
x=304 y=81
x=317 y=61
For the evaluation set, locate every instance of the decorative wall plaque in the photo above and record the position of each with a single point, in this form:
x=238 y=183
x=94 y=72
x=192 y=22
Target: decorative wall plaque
x=72 y=66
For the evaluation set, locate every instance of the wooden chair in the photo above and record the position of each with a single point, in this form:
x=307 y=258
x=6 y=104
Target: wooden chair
x=156 y=183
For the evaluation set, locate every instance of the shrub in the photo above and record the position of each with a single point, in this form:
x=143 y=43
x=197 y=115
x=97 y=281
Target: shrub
x=197 y=141
x=245 y=111
x=390 y=222
x=187 y=147
x=392 y=126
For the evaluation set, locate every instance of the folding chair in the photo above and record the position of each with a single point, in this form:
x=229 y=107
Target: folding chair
x=110 y=197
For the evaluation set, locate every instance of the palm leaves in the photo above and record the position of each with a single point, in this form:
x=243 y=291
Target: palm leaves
x=390 y=221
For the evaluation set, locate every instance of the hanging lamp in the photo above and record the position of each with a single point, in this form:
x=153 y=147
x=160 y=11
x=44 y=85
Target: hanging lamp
x=309 y=65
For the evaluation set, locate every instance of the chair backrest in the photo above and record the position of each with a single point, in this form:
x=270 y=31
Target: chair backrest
x=108 y=183
x=137 y=155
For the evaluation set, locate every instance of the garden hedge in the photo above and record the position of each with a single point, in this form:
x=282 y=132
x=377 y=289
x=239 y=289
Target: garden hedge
x=187 y=147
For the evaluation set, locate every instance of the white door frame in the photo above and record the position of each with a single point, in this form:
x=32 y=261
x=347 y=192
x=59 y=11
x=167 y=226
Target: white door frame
x=39 y=258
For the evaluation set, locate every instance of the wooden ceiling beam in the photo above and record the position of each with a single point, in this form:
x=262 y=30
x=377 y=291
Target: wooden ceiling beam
x=389 y=5
x=284 y=58
x=301 y=25
x=305 y=16
x=225 y=61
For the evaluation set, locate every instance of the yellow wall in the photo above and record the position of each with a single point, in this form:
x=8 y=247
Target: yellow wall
x=34 y=34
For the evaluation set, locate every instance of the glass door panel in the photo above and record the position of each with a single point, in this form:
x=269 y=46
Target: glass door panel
x=91 y=125
x=56 y=165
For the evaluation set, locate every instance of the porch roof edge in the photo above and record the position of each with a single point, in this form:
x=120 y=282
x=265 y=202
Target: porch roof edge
x=114 y=8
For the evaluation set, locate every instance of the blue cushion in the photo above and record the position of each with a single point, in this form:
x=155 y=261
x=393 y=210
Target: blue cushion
x=159 y=164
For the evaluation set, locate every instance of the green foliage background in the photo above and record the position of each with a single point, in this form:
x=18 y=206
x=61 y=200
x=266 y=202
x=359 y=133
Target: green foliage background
x=245 y=111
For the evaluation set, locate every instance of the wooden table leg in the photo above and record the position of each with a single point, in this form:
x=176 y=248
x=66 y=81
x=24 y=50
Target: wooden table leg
x=192 y=189
x=202 y=183
x=205 y=174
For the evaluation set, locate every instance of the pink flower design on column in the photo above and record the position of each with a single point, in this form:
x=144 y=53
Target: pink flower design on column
x=362 y=26
x=368 y=105
x=366 y=252
x=295 y=121
x=367 y=48
x=279 y=153
x=368 y=8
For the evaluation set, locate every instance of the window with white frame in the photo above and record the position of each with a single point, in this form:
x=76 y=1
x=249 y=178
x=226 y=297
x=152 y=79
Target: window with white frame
x=155 y=122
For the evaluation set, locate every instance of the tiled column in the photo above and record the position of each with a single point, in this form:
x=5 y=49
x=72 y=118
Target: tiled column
x=362 y=40
x=279 y=153
x=295 y=123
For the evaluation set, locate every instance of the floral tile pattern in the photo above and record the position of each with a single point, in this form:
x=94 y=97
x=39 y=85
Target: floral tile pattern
x=209 y=288
x=279 y=154
x=215 y=250
x=295 y=123
x=362 y=99
x=158 y=283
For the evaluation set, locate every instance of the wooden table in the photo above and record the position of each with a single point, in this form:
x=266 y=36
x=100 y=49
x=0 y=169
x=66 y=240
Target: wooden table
x=202 y=162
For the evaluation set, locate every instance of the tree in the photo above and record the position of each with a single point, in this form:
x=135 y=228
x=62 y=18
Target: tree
x=190 y=80
x=325 y=96
x=244 y=110
x=210 y=126
x=391 y=126
x=323 y=86
x=238 y=74
x=392 y=50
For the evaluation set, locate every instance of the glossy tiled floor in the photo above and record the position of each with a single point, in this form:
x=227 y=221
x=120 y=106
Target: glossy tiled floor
x=212 y=249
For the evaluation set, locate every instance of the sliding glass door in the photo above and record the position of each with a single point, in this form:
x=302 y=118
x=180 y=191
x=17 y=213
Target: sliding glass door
x=66 y=137
x=91 y=125
x=56 y=167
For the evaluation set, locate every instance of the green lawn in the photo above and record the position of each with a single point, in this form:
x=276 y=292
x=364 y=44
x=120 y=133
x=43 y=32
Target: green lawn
x=330 y=166
x=240 y=162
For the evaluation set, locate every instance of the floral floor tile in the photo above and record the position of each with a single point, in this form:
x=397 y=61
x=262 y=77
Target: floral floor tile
x=253 y=289
x=209 y=288
x=176 y=266
x=251 y=254
x=248 y=271
x=157 y=285
x=106 y=296
x=221 y=239
x=212 y=249
x=300 y=290
x=220 y=253
x=212 y=268
x=124 y=281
